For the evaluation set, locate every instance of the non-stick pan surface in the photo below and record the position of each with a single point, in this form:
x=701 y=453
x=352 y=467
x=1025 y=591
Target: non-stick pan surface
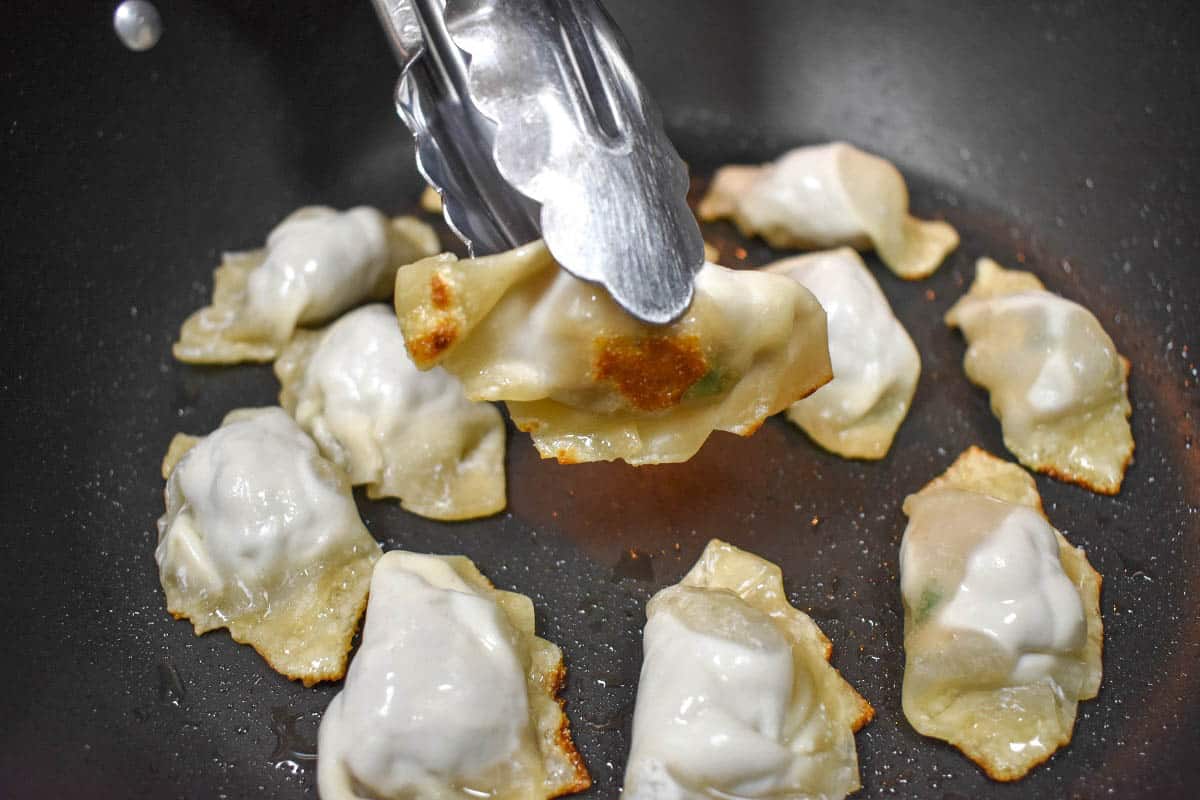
x=1063 y=136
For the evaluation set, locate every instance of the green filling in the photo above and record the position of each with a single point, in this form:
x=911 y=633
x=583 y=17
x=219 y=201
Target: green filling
x=710 y=384
x=930 y=597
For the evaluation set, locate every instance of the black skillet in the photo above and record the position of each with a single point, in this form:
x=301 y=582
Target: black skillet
x=1063 y=136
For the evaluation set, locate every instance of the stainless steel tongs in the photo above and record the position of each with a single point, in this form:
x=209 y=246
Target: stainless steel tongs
x=530 y=123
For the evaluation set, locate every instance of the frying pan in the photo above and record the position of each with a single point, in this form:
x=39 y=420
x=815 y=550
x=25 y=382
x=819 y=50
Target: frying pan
x=1061 y=136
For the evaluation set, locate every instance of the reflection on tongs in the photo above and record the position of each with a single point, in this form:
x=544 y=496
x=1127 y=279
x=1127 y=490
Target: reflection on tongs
x=530 y=123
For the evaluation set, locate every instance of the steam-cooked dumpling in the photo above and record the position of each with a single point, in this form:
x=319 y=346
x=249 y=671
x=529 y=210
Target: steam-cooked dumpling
x=737 y=697
x=451 y=695
x=1002 y=629
x=875 y=363
x=826 y=196
x=262 y=537
x=592 y=383
x=317 y=263
x=402 y=432
x=1056 y=380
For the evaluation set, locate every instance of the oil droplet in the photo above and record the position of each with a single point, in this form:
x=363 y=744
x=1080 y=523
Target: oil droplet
x=606 y=680
x=294 y=749
x=634 y=564
x=1135 y=568
x=137 y=24
x=170 y=685
x=615 y=721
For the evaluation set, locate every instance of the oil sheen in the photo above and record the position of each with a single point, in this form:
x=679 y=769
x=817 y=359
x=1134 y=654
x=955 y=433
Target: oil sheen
x=1012 y=590
x=712 y=700
x=318 y=262
x=436 y=695
x=251 y=504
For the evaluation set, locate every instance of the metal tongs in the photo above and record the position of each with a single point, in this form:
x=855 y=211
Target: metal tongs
x=530 y=123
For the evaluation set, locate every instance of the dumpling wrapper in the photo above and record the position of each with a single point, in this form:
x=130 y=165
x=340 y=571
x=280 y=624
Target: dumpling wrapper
x=1001 y=681
x=402 y=432
x=827 y=196
x=737 y=697
x=1057 y=382
x=590 y=382
x=451 y=694
x=317 y=263
x=261 y=536
x=875 y=363
x=431 y=201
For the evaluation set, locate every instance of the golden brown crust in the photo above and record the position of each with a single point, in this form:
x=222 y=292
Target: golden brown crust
x=308 y=679
x=1002 y=775
x=651 y=372
x=440 y=292
x=827 y=378
x=752 y=428
x=1080 y=480
x=435 y=311
x=437 y=327
x=546 y=680
x=582 y=779
x=866 y=713
x=428 y=347
x=1109 y=489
